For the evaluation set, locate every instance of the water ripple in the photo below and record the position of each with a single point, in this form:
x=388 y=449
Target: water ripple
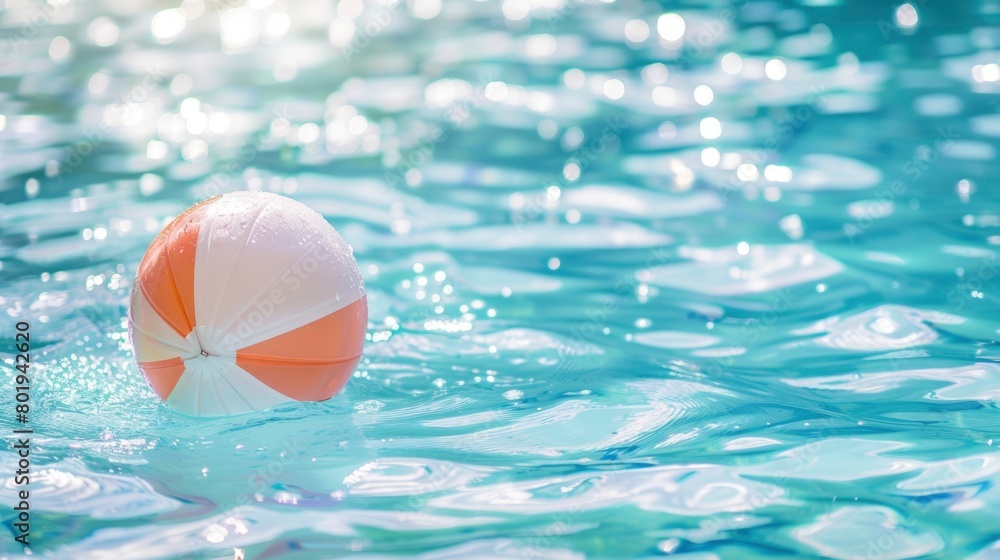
x=764 y=268
x=70 y=488
x=867 y=532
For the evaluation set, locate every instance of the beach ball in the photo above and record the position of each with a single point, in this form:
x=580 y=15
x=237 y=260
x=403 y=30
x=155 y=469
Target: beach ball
x=246 y=301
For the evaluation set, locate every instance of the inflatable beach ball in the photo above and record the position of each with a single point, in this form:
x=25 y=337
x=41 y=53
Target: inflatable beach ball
x=246 y=301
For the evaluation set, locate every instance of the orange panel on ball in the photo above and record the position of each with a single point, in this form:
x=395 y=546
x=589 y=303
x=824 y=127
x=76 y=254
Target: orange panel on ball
x=166 y=273
x=307 y=363
x=163 y=375
x=302 y=381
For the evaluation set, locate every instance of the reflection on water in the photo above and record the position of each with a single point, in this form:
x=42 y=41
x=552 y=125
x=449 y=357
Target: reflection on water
x=714 y=280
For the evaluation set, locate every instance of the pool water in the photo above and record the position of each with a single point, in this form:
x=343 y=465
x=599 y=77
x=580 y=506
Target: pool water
x=709 y=280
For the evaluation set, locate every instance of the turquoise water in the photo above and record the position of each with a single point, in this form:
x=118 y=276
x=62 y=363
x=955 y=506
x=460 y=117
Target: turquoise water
x=726 y=291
